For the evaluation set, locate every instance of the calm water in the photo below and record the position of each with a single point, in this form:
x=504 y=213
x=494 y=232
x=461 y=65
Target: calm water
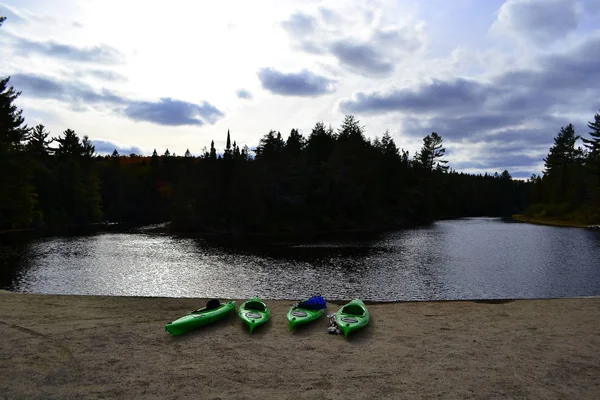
x=464 y=259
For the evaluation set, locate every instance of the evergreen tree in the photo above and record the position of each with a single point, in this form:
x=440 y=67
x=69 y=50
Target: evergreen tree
x=227 y=154
x=562 y=153
x=69 y=145
x=38 y=143
x=155 y=160
x=16 y=202
x=592 y=164
x=562 y=166
x=295 y=142
x=245 y=154
x=78 y=185
x=187 y=154
x=213 y=151
x=236 y=151
x=351 y=130
x=593 y=144
x=115 y=154
x=270 y=146
x=432 y=151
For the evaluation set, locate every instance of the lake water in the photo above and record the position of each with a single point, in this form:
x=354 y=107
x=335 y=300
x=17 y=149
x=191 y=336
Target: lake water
x=479 y=258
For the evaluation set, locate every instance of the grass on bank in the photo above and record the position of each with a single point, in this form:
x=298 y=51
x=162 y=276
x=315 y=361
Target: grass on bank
x=565 y=215
x=548 y=221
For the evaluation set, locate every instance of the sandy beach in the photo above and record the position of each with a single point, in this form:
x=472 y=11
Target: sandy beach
x=93 y=347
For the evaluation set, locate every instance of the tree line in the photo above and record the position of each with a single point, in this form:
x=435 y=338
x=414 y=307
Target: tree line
x=569 y=187
x=330 y=180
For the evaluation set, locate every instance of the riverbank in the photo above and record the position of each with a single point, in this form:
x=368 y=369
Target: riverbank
x=116 y=347
x=548 y=221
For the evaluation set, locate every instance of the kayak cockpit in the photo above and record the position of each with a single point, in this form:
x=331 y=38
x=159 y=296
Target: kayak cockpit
x=353 y=309
x=212 y=304
x=255 y=305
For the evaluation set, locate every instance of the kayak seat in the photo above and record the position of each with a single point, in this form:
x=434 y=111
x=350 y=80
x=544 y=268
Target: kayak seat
x=297 y=313
x=213 y=304
x=255 y=305
x=353 y=309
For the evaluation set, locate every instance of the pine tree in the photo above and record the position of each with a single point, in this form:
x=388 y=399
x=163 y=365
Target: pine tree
x=245 y=154
x=16 y=192
x=227 y=154
x=593 y=144
x=213 y=151
x=38 y=143
x=69 y=144
x=236 y=151
x=187 y=154
x=351 y=130
x=561 y=166
x=592 y=164
x=563 y=152
x=388 y=146
x=295 y=142
x=115 y=154
x=155 y=160
x=431 y=151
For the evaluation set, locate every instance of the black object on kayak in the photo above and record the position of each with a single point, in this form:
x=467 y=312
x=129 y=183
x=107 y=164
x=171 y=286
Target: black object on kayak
x=212 y=304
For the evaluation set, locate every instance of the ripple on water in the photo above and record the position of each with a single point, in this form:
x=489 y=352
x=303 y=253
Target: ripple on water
x=480 y=258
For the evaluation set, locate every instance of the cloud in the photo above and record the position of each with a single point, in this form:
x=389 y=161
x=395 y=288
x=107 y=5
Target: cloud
x=12 y=15
x=373 y=49
x=437 y=96
x=501 y=161
x=244 y=94
x=538 y=21
x=22 y=16
x=361 y=57
x=101 y=54
x=172 y=112
x=506 y=120
x=303 y=83
x=568 y=79
x=104 y=74
x=300 y=24
x=79 y=96
x=75 y=93
x=106 y=147
x=591 y=6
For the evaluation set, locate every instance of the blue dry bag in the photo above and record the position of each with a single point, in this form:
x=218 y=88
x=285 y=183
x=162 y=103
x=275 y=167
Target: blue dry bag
x=314 y=303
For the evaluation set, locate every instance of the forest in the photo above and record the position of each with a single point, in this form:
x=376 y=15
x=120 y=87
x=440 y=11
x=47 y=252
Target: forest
x=331 y=180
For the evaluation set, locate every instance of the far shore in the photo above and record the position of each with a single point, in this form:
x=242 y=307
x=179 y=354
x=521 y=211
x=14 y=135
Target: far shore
x=549 y=221
x=92 y=347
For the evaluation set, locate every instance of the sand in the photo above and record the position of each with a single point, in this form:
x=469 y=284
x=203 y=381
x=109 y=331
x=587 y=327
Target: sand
x=93 y=347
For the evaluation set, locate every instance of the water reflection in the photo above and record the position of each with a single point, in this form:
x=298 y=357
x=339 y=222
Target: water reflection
x=471 y=258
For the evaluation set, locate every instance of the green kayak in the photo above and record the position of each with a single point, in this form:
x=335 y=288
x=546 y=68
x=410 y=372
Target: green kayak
x=352 y=317
x=301 y=316
x=213 y=311
x=254 y=312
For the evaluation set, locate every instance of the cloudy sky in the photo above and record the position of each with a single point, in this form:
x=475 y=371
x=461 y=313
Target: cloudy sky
x=497 y=79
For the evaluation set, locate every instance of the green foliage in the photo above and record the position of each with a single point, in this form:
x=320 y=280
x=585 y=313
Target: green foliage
x=570 y=186
x=16 y=192
x=431 y=152
x=330 y=180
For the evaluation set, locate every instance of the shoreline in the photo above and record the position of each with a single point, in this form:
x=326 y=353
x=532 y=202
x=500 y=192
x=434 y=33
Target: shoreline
x=329 y=301
x=548 y=222
x=72 y=346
